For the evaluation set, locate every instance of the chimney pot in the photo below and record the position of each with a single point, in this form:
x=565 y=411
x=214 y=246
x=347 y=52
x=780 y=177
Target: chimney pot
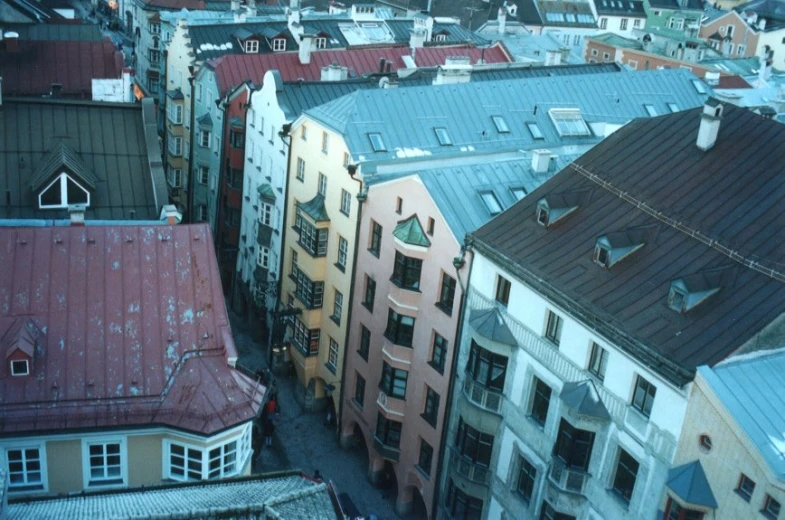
x=170 y=213
x=76 y=214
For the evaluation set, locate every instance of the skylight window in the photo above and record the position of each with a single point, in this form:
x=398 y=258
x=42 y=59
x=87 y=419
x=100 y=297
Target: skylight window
x=650 y=110
x=377 y=142
x=673 y=107
x=443 y=136
x=700 y=87
x=518 y=193
x=491 y=202
x=501 y=125
x=534 y=128
x=569 y=122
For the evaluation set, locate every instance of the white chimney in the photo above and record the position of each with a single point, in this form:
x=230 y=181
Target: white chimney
x=306 y=46
x=334 y=72
x=712 y=77
x=541 y=160
x=501 y=19
x=552 y=57
x=710 y=124
x=76 y=214
x=456 y=69
x=417 y=39
x=234 y=5
x=761 y=24
x=170 y=213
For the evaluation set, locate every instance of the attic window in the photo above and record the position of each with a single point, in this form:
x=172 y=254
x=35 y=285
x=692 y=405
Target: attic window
x=690 y=291
x=569 y=122
x=443 y=136
x=279 y=44
x=377 y=142
x=501 y=124
x=602 y=255
x=518 y=193
x=20 y=367
x=491 y=202
x=612 y=248
x=252 y=46
x=62 y=192
x=543 y=213
x=676 y=300
x=534 y=128
x=321 y=43
x=700 y=87
x=673 y=107
x=650 y=110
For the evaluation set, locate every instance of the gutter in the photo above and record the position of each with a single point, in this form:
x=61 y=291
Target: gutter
x=190 y=206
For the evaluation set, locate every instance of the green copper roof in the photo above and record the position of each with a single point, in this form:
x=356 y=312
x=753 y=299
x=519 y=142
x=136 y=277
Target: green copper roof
x=411 y=232
x=266 y=191
x=314 y=208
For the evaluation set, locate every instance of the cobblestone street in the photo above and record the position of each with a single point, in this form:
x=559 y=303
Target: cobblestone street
x=302 y=441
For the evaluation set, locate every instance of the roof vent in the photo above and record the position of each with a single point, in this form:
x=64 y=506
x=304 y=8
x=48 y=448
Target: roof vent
x=541 y=160
x=710 y=124
x=610 y=249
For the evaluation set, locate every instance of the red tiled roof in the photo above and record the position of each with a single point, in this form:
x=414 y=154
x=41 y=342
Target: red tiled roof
x=176 y=4
x=234 y=69
x=74 y=64
x=133 y=331
x=733 y=82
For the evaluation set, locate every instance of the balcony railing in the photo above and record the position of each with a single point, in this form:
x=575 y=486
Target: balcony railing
x=481 y=396
x=388 y=452
x=567 y=479
x=470 y=470
x=540 y=349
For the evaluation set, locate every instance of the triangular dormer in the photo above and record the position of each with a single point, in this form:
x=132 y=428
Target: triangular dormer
x=62 y=179
x=19 y=343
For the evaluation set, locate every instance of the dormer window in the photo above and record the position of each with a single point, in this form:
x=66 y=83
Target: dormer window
x=279 y=44
x=677 y=300
x=569 y=122
x=321 y=42
x=542 y=214
x=20 y=367
x=610 y=249
x=62 y=192
x=602 y=255
x=690 y=291
x=556 y=206
x=252 y=46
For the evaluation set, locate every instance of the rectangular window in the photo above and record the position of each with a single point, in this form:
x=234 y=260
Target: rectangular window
x=540 y=401
x=370 y=293
x=623 y=24
x=636 y=24
x=431 y=412
x=20 y=367
x=184 y=463
x=263 y=257
x=305 y=339
x=365 y=342
x=332 y=356
x=300 y=169
x=388 y=432
x=279 y=44
x=174 y=113
x=569 y=121
x=673 y=107
x=573 y=446
x=176 y=146
x=626 y=473
x=155 y=56
x=346 y=202
x=426 y=457
x=406 y=272
x=307 y=291
x=461 y=506
x=500 y=124
x=376 y=238
x=746 y=487
x=398 y=205
x=359 y=390
x=252 y=46
x=534 y=129
x=377 y=143
x=322 y=184
x=650 y=110
x=222 y=461
x=201 y=213
x=304 y=133
x=518 y=193
x=266 y=212
x=204 y=138
x=771 y=508
x=486 y=368
x=25 y=469
x=442 y=136
x=439 y=352
x=503 y=290
x=236 y=139
x=431 y=225
x=472 y=445
x=598 y=362
x=312 y=239
x=643 y=397
x=447 y=294
x=400 y=329
x=343 y=248
x=603 y=23
x=491 y=202
x=553 y=328
x=321 y=43
x=393 y=382
x=204 y=174
x=345 y=159
x=325 y=142
x=527 y=476
x=337 y=307
x=105 y=464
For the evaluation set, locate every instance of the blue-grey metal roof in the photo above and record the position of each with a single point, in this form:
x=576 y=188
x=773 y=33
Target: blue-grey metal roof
x=490 y=324
x=751 y=389
x=690 y=484
x=406 y=117
x=452 y=32
x=582 y=396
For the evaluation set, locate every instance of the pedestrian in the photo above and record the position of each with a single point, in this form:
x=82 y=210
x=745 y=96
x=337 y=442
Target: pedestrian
x=269 y=429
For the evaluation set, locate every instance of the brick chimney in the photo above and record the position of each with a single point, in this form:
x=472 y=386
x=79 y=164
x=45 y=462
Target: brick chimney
x=710 y=124
x=11 y=41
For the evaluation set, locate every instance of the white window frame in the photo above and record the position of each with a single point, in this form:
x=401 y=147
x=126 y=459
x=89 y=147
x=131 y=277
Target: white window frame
x=225 y=469
x=300 y=169
x=201 y=213
x=252 y=46
x=343 y=249
x=175 y=146
x=27 y=486
x=346 y=202
x=63 y=179
x=204 y=138
x=325 y=143
x=174 y=113
x=176 y=177
x=26 y=371
x=263 y=257
x=204 y=174
x=322 y=184
x=332 y=355
x=243 y=451
x=321 y=42
x=167 y=454
x=279 y=44
x=623 y=24
x=267 y=211
x=567 y=116
x=105 y=483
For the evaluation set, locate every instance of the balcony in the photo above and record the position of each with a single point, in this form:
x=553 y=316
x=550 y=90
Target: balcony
x=392 y=408
x=388 y=452
x=481 y=396
x=470 y=470
x=572 y=480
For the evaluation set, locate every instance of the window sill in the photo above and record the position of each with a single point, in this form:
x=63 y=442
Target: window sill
x=550 y=342
x=363 y=355
x=446 y=310
x=336 y=320
x=540 y=425
x=392 y=340
x=422 y=472
x=356 y=403
x=401 y=286
x=374 y=252
x=431 y=422
x=340 y=267
x=369 y=307
x=301 y=179
x=344 y=213
x=743 y=496
x=623 y=502
x=332 y=368
x=436 y=367
x=767 y=514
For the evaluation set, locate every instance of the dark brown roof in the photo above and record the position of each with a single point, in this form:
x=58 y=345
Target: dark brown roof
x=733 y=194
x=134 y=331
